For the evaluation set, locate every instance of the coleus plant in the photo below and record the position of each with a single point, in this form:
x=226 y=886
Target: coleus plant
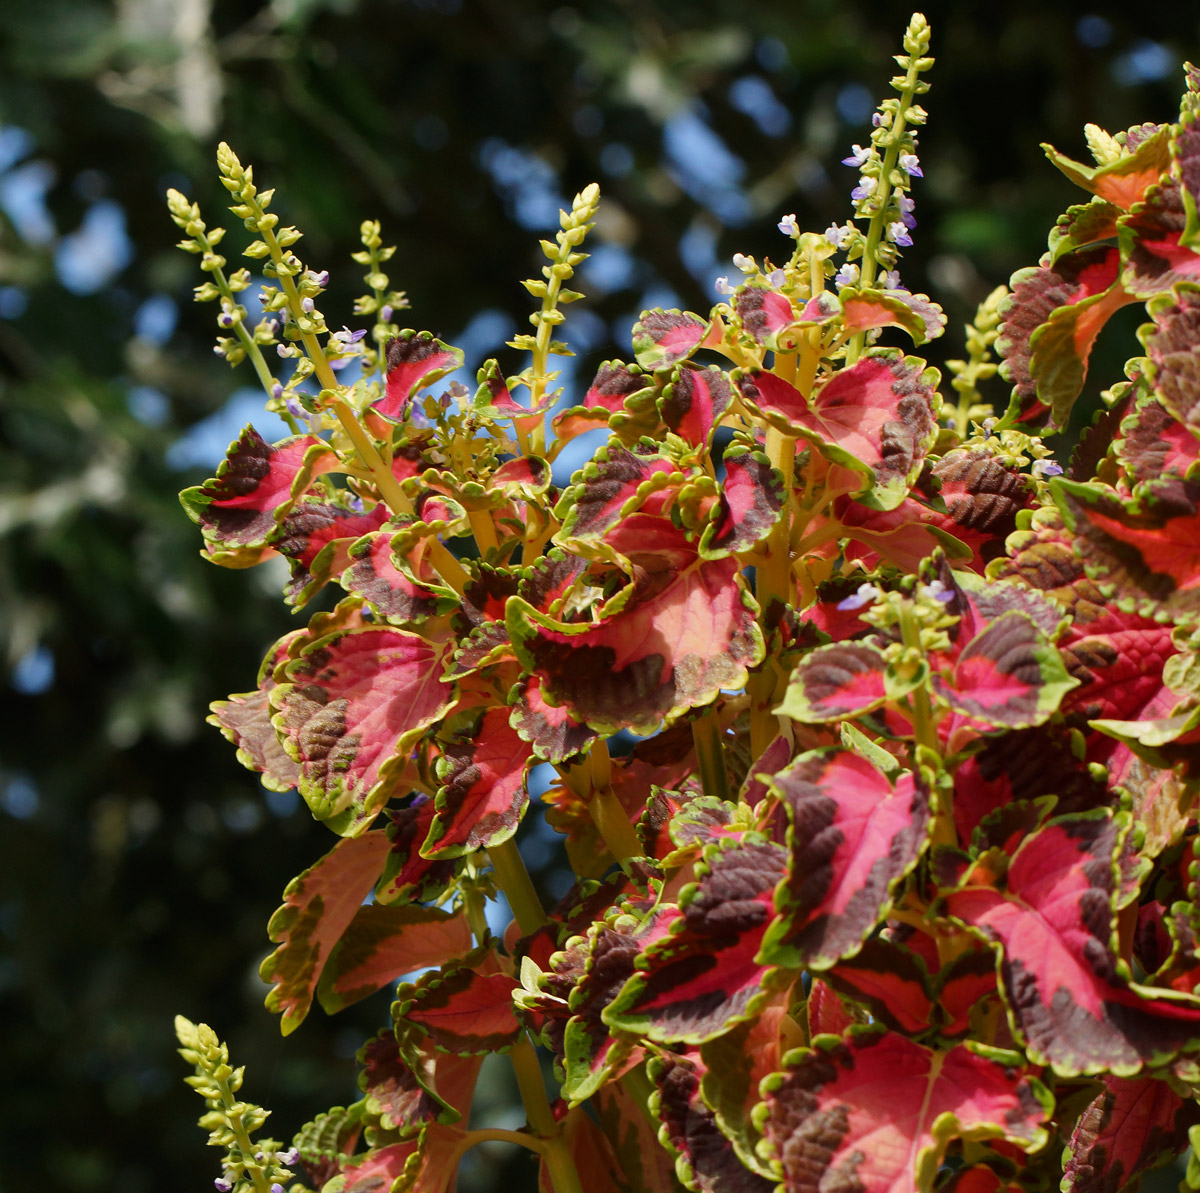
x=897 y=887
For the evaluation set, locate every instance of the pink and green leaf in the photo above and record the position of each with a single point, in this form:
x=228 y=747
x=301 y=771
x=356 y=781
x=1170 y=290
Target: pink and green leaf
x=1143 y=554
x=686 y=635
x=661 y=339
x=854 y=836
x=384 y=942
x=409 y=877
x=319 y=905
x=482 y=796
x=255 y=487
x=394 y=593
x=876 y=1112
x=1053 y=924
x=703 y=977
x=841 y=679
x=355 y=702
x=462 y=1008
x=877 y=418
x=695 y=401
x=413 y=360
x=1130 y=1127
x=1125 y=180
x=316 y=537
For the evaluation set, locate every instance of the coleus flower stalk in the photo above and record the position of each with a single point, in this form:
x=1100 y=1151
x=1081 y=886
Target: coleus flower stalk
x=898 y=889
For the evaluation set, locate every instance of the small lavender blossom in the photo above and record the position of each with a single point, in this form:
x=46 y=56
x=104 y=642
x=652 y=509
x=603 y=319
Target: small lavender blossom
x=317 y=279
x=225 y=319
x=277 y=1188
x=876 y=119
x=865 y=189
x=891 y=280
x=219 y=349
x=292 y=1155
x=307 y=305
x=989 y=427
x=846 y=276
x=777 y=277
x=937 y=591
x=867 y=594
x=385 y=313
x=277 y=391
x=722 y=286
x=911 y=165
x=744 y=263
x=222 y=1185
x=295 y=408
x=1047 y=468
x=344 y=338
x=838 y=234
x=898 y=234
x=788 y=226
x=354 y=502
x=858 y=158
x=906 y=205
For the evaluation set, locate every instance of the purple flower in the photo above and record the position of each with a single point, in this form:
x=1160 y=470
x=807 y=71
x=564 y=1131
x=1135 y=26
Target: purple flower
x=293 y=1154
x=891 y=280
x=722 y=286
x=865 y=189
x=277 y=391
x=317 y=279
x=295 y=408
x=936 y=590
x=221 y=1184
x=1047 y=468
x=777 y=277
x=788 y=226
x=744 y=263
x=911 y=165
x=846 y=276
x=858 y=158
x=867 y=594
x=898 y=234
x=307 y=305
x=838 y=234
x=385 y=313
x=876 y=119
x=907 y=206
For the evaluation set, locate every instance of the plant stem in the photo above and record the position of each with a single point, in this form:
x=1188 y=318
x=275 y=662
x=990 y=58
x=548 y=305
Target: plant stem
x=513 y=879
x=556 y=1152
x=710 y=753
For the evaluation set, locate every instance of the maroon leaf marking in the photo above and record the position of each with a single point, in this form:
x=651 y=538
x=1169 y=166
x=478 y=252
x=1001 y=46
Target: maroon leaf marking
x=318 y=907
x=1082 y=286
x=610 y=486
x=764 y=313
x=661 y=339
x=316 y=537
x=482 y=797
x=690 y=1130
x=414 y=359
x=552 y=732
x=749 y=506
x=355 y=701
x=408 y=1091
x=890 y=982
x=1171 y=348
x=875 y=1111
x=1130 y=1127
x=842 y=679
x=254 y=488
x=853 y=836
x=695 y=401
x=1053 y=922
x=1152 y=236
x=703 y=977
x=372 y=574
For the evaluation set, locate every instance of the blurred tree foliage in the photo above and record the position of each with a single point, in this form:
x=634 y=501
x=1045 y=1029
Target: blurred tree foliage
x=138 y=862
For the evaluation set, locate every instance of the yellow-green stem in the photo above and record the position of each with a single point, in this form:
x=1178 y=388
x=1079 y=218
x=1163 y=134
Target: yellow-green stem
x=710 y=754
x=883 y=194
x=614 y=827
x=473 y=902
x=924 y=728
x=513 y=879
x=556 y=1152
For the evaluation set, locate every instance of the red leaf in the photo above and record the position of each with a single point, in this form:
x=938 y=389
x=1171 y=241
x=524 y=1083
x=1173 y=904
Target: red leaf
x=461 y=1009
x=876 y=1111
x=382 y=943
x=413 y=361
x=318 y=907
x=1128 y=1128
x=853 y=836
x=482 y=797
x=662 y=339
x=355 y=701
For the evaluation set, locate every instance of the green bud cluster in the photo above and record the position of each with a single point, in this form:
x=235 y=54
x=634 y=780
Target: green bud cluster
x=980 y=364
x=382 y=301
x=229 y=1121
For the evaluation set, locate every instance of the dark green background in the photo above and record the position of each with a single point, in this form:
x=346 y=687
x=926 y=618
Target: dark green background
x=138 y=862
